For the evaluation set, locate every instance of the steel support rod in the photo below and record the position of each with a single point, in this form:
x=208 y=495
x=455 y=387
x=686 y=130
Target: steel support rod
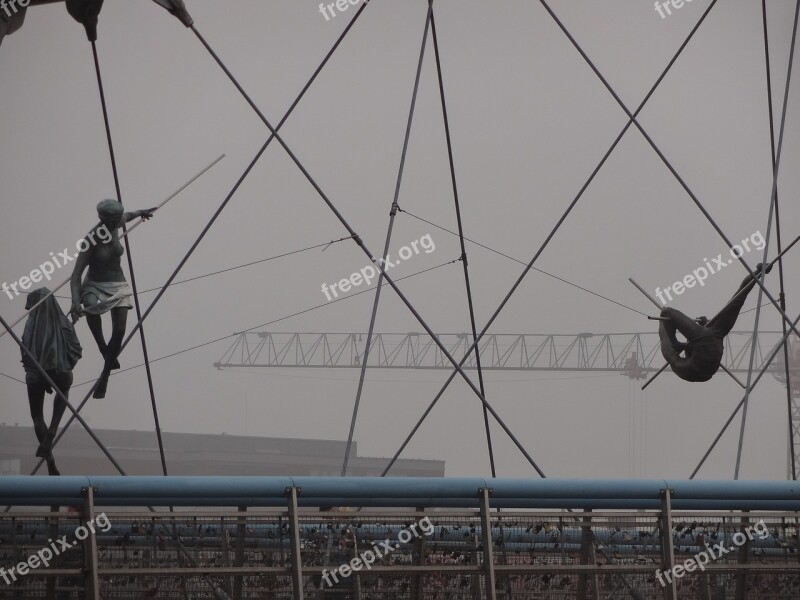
x=782 y=292
x=470 y=303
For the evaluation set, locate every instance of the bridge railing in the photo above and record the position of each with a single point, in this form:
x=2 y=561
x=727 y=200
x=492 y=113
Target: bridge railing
x=415 y=538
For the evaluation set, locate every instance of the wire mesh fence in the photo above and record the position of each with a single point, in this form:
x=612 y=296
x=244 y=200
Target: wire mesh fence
x=429 y=555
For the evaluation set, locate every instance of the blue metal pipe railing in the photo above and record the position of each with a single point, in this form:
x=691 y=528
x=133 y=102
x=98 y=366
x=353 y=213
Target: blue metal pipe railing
x=402 y=492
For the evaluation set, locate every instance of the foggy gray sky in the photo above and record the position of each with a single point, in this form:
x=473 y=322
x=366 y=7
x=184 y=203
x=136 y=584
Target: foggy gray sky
x=529 y=121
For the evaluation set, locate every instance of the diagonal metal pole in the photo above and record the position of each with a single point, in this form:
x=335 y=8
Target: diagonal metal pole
x=360 y=242
x=544 y=244
x=137 y=305
x=392 y=214
x=666 y=162
x=782 y=294
x=213 y=219
x=776 y=158
x=761 y=372
x=461 y=241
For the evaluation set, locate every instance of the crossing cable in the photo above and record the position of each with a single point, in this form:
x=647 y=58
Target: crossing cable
x=250 y=264
x=326 y=244
x=782 y=294
x=278 y=320
x=13 y=378
x=516 y=260
x=461 y=238
x=210 y=223
x=666 y=162
x=363 y=247
x=550 y=236
x=761 y=372
x=150 y=386
x=392 y=214
x=776 y=159
x=234 y=268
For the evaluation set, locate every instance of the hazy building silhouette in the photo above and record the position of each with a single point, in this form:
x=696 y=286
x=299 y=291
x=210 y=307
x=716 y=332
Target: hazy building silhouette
x=198 y=454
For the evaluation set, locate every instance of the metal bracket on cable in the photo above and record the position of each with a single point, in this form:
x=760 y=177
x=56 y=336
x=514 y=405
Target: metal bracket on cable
x=395 y=208
x=86 y=12
x=178 y=9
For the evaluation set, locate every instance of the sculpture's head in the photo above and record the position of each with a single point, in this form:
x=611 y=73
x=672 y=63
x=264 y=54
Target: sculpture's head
x=110 y=212
x=36 y=296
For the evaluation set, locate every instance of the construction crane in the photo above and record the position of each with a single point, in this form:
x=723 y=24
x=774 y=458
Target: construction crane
x=630 y=354
x=634 y=355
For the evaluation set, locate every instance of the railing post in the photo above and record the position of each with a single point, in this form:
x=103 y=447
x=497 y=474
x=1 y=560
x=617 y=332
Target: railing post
x=241 y=532
x=225 y=543
x=417 y=580
x=667 y=550
x=52 y=533
x=356 y=574
x=488 y=549
x=294 y=532
x=743 y=559
x=587 y=582
x=90 y=561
